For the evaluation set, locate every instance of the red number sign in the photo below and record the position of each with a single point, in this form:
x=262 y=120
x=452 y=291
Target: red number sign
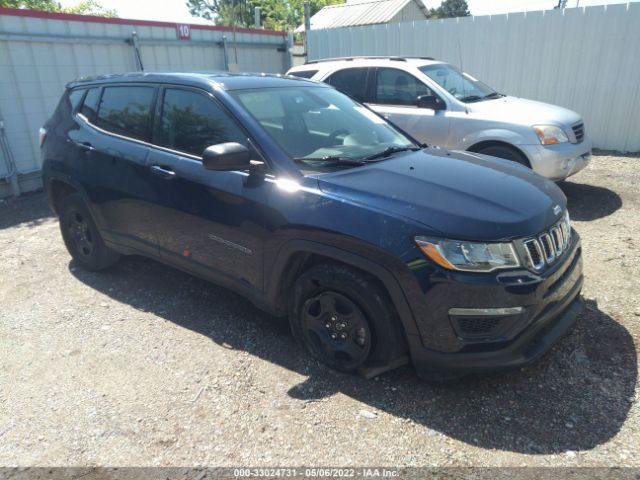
x=183 y=31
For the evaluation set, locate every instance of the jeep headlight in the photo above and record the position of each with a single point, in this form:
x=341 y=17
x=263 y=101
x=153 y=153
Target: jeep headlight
x=468 y=256
x=550 y=134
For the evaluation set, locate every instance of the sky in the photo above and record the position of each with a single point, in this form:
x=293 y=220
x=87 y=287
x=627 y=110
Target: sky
x=176 y=10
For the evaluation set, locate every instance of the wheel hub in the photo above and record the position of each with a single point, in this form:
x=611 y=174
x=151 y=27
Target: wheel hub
x=80 y=233
x=337 y=329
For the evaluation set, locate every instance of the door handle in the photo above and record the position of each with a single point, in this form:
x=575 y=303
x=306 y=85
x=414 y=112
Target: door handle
x=84 y=146
x=163 y=172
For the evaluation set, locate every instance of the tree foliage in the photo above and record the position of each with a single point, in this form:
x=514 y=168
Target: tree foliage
x=451 y=9
x=275 y=14
x=90 y=7
x=42 y=5
x=84 y=7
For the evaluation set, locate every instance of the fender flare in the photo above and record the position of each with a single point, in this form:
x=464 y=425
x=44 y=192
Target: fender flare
x=373 y=268
x=493 y=135
x=77 y=186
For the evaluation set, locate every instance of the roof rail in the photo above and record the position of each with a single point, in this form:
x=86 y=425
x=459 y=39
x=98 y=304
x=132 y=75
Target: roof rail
x=363 y=57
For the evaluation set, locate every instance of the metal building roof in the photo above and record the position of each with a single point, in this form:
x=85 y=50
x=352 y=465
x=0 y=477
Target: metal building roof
x=358 y=12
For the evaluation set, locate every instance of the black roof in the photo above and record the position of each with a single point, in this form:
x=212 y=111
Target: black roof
x=224 y=80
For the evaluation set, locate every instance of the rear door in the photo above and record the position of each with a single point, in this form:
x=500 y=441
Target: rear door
x=352 y=81
x=395 y=95
x=112 y=148
x=208 y=222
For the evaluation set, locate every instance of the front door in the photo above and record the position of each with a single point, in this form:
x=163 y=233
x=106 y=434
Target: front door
x=208 y=222
x=395 y=97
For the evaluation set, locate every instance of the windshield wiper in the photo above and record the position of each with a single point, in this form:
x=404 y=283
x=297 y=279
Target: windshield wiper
x=390 y=151
x=471 y=98
x=493 y=95
x=331 y=159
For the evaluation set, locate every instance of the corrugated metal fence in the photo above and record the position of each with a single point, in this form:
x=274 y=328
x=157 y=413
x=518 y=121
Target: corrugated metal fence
x=40 y=53
x=585 y=59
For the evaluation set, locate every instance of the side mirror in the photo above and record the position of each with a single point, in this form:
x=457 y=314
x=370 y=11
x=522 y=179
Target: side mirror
x=432 y=102
x=226 y=156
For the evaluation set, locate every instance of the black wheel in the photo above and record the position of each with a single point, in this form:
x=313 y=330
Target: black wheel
x=506 y=152
x=81 y=236
x=343 y=319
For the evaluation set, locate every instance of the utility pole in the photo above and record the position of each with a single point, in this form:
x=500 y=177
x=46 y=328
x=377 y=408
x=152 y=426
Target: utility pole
x=307 y=28
x=256 y=17
x=234 y=20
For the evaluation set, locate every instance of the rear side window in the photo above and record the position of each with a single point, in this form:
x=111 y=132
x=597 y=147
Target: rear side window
x=350 y=81
x=90 y=104
x=191 y=122
x=74 y=97
x=396 y=87
x=304 y=73
x=126 y=111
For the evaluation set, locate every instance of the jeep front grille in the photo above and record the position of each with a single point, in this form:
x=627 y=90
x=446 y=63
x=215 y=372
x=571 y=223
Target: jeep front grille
x=548 y=246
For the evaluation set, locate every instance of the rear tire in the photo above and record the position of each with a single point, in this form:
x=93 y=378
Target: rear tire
x=505 y=152
x=81 y=236
x=344 y=319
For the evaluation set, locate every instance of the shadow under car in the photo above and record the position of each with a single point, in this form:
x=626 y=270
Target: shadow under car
x=575 y=398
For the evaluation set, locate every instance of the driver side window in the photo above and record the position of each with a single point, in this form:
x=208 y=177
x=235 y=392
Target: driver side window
x=190 y=122
x=397 y=87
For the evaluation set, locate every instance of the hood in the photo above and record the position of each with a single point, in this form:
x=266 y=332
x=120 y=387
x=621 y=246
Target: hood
x=459 y=195
x=523 y=111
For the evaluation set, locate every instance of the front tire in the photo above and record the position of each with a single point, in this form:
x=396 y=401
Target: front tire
x=81 y=236
x=344 y=319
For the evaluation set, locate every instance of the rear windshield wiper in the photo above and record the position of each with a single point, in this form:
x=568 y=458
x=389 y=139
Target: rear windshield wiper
x=390 y=151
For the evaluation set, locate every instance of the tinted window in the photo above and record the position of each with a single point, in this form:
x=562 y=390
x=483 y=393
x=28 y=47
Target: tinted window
x=396 y=87
x=350 y=81
x=90 y=103
x=304 y=74
x=75 y=96
x=191 y=122
x=126 y=111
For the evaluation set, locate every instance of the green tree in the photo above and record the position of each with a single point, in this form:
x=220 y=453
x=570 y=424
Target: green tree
x=451 y=9
x=42 y=5
x=85 y=7
x=276 y=14
x=223 y=12
x=90 y=7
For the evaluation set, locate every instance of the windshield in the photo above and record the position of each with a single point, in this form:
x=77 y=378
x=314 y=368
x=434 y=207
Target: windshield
x=459 y=84
x=321 y=127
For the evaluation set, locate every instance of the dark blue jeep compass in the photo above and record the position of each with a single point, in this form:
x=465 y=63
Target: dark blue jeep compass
x=379 y=249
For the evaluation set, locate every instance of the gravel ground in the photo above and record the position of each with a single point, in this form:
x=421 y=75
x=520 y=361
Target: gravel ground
x=144 y=365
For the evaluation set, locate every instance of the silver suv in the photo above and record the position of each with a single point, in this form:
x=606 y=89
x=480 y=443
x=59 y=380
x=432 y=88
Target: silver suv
x=443 y=106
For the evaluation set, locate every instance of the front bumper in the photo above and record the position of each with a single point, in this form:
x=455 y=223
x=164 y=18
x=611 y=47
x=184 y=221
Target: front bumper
x=552 y=302
x=557 y=162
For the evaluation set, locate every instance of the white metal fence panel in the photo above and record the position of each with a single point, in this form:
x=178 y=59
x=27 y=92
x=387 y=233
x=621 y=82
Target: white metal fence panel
x=585 y=59
x=38 y=56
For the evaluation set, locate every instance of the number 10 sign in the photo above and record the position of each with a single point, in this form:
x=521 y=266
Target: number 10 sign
x=183 y=31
